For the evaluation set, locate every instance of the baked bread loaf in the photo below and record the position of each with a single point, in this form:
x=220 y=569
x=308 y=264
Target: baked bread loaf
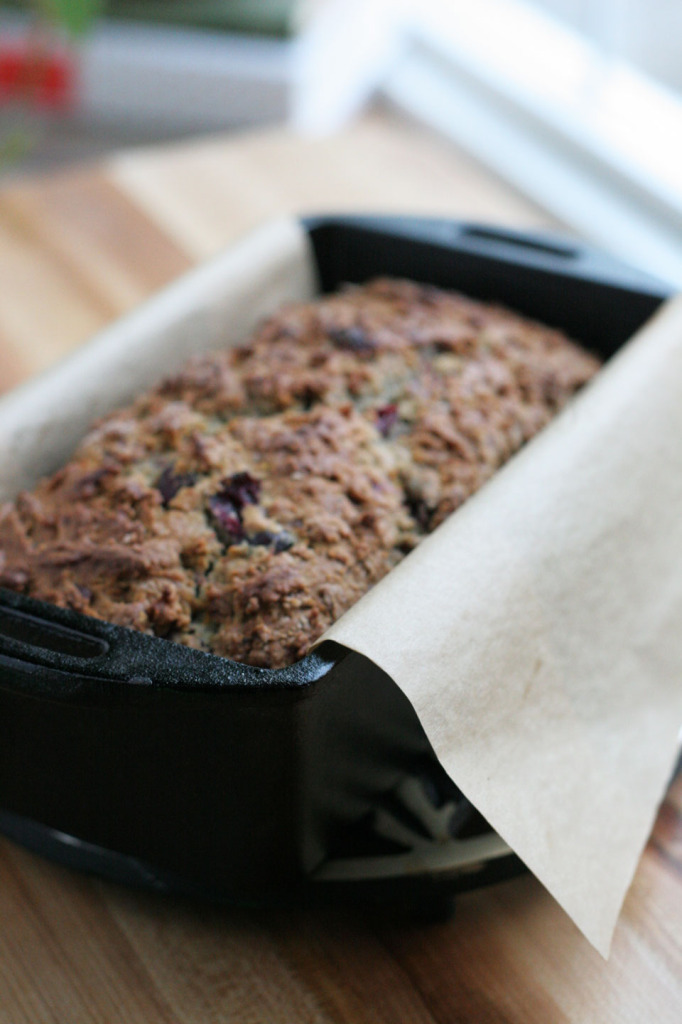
x=246 y=502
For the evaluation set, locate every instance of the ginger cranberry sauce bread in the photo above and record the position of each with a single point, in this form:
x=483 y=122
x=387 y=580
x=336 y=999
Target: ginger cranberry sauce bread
x=246 y=502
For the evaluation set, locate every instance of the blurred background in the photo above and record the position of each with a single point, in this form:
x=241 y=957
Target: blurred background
x=576 y=103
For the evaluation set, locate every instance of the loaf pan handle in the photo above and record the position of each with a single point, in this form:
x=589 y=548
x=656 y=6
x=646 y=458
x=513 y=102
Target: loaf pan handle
x=23 y=632
x=40 y=642
x=552 y=251
x=544 y=251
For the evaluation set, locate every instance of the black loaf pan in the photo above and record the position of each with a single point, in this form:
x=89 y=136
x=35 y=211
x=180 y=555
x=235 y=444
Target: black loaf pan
x=152 y=764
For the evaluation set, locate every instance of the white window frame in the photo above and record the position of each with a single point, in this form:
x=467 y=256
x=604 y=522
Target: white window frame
x=586 y=136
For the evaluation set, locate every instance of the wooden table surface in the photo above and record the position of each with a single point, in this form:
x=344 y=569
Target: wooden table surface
x=76 y=250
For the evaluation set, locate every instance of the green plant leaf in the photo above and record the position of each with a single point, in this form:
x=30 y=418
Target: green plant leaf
x=76 y=16
x=14 y=145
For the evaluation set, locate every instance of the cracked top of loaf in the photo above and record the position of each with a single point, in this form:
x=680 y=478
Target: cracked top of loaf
x=243 y=504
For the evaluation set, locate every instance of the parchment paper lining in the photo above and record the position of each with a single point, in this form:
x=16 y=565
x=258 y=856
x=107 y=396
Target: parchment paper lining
x=214 y=306
x=537 y=632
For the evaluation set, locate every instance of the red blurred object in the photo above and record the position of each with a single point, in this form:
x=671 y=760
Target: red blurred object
x=42 y=78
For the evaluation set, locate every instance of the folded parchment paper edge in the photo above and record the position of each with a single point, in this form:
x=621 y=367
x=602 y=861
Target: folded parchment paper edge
x=537 y=632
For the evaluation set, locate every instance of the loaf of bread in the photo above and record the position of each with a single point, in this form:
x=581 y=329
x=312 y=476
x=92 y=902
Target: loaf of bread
x=247 y=501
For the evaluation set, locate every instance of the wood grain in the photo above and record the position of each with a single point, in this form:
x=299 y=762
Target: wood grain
x=76 y=949
x=208 y=192
x=87 y=227
x=75 y=251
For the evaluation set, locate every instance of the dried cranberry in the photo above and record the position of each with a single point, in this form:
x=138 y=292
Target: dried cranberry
x=228 y=524
x=387 y=417
x=419 y=511
x=170 y=482
x=355 y=339
x=281 y=541
x=226 y=506
x=308 y=397
x=240 y=489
